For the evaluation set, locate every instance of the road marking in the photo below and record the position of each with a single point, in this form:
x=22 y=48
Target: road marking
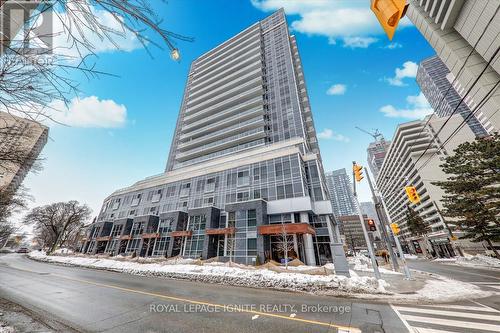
x=463 y=307
x=401 y=318
x=483 y=282
x=449 y=313
x=349 y=329
x=484 y=306
x=453 y=323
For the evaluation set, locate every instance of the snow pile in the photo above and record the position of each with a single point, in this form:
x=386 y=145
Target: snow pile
x=454 y=259
x=410 y=256
x=448 y=290
x=6 y=329
x=231 y=275
x=478 y=260
x=364 y=264
x=63 y=251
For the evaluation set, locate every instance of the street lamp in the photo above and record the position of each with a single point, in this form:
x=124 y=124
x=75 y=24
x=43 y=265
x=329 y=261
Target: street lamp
x=175 y=55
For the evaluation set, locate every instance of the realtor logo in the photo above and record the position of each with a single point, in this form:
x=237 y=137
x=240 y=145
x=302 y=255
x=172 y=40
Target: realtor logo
x=26 y=27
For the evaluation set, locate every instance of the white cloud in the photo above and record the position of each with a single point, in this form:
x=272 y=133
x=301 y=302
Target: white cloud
x=409 y=70
x=359 y=42
x=417 y=107
x=329 y=134
x=352 y=22
x=337 y=89
x=89 y=112
x=393 y=45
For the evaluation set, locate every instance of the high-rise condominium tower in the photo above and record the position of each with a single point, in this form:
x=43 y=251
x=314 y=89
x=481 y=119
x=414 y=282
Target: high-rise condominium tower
x=341 y=194
x=434 y=80
x=244 y=165
x=465 y=36
x=376 y=152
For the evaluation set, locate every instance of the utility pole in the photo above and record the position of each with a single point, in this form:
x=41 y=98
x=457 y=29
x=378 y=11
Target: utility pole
x=396 y=240
x=383 y=225
x=355 y=169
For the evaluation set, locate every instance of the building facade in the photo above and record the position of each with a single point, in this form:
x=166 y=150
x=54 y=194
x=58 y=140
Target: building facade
x=352 y=232
x=21 y=141
x=244 y=165
x=376 y=152
x=465 y=36
x=401 y=169
x=434 y=81
x=341 y=195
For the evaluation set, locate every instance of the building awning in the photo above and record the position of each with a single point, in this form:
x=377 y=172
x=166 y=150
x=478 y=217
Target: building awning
x=181 y=233
x=151 y=235
x=125 y=237
x=289 y=228
x=221 y=231
x=104 y=238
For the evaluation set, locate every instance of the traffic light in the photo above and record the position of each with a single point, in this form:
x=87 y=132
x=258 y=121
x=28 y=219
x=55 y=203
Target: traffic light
x=395 y=228
x=388 y=13
x=371 y=225
x=412 y=194
x=358 y=172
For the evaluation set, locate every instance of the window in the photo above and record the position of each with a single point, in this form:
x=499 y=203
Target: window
x=197 y=222
x=243 y=178
x=157 y=196
x=185 y=189
x=208 y=201
x=278 y=168
x=251 y=218
x=165 y=225
x=231 y=179
x=252 y=246
x=117 y=230
x=171 y=191
x=231 y=219
x=243 y=196
x=133 y=245
x=137 y=228
x=116 y=204
x=136 y=199
x=132 y=213
x=210 y=186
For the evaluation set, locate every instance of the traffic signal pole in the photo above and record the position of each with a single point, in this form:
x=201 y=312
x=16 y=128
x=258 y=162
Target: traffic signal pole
x=383 y=225
x=396 y=240
x=362 y=221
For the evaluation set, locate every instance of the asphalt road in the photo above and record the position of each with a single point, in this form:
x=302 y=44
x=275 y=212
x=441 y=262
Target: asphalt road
x=71 y=299
x=100 y=301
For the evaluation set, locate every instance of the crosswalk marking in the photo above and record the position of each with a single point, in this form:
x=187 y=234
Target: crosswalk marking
x=449 y=317
x=453 y=323
x=463 y=307
x=451 y=313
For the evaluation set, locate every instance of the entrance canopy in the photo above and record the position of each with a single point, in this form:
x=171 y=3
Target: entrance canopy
x=288 y=228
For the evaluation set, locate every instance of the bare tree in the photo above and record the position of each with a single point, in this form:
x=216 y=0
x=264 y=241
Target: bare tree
x=285 y=243
x=230 y=246
x=57 y=224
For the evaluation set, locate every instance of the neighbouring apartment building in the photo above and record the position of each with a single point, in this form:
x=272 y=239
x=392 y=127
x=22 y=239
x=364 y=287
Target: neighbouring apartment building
x=434 y=80
x=244 y=165
x=341 y=195
x=376 y=152
x=402 y=167
x=465 y=36
x=21 y=141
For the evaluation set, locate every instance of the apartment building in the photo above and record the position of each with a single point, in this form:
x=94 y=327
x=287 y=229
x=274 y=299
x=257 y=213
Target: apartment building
x=244 y=165
x=21 y=141
x=465 y=36
x=376 y=152
x=341 y=195
x=436 y=85
x=401 y=169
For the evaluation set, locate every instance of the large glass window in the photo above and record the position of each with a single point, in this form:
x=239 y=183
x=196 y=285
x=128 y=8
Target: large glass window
x=197 y=222
x=210 y=186
x=137 y=228
x=185 y=189
x=243 y=178
x=251 y=218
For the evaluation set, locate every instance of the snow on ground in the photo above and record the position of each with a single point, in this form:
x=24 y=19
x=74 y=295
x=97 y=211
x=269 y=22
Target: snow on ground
x=63 y=251
x=478 y=260
x=6 y=329
x=363 y=264
x=410 y=256
x=230 y=274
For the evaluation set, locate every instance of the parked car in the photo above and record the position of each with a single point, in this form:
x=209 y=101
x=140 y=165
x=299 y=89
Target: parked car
x=23 y=250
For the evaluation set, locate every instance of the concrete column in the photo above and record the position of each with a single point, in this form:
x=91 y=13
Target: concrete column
x=308 y=242
x=337 y=248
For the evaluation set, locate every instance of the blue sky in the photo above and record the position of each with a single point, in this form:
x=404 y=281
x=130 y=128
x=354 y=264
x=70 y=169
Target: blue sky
x=121 y=127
